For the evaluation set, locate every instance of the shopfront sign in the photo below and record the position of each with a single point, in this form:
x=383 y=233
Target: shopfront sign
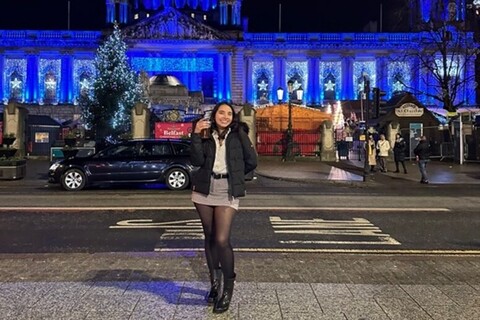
x=409 y=110
x=172 y=130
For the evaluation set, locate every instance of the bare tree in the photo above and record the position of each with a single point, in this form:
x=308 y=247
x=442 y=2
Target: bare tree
x=443 y=56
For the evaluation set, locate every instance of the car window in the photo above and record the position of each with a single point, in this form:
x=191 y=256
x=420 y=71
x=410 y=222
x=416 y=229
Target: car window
x=181 y=149
x=161 y=149
x=121 y=151
x=144 y=150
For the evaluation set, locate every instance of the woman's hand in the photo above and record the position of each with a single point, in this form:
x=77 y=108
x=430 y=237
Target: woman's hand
x=202 y=124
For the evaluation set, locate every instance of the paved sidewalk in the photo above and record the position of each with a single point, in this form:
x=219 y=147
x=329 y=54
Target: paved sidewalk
x=172 y=285
x=313 y=170
x=269 y=286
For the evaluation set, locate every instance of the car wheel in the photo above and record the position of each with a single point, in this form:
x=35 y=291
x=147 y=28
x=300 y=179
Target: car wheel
x=177 y=179
x=73 y=180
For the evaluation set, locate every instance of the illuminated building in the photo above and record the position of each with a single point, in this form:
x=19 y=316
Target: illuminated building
x=203 y=43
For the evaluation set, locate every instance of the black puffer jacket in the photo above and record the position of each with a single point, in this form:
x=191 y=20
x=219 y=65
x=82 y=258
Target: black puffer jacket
x=241 y=159
x=422 y=150
x=399 y=149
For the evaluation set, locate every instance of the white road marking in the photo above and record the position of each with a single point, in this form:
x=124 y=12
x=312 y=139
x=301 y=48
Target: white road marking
x=339 y=251
x=382 y=241
x=174 y=230
x=356 y=227
x=349 y=209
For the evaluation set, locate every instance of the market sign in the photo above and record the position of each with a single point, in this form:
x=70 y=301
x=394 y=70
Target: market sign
x=172 y=130
x=409 y=110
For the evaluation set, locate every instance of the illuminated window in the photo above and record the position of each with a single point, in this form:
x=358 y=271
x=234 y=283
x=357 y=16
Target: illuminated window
x=204 y=17
x=42 y=137
x=135 y=16
x=50 y=83
x=16 y=86
x=84 y=83
x=192 y=15
x=148 y=15
x=329 y=87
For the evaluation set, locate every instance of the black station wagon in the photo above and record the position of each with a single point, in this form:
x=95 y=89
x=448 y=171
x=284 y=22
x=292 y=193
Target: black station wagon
x=135 y=161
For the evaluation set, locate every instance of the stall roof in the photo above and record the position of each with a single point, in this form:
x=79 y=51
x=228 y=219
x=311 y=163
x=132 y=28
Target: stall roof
x=39 y=120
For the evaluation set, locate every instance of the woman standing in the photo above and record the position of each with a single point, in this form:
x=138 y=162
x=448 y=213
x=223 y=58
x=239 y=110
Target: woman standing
x=371 y=153
x=224 y=156
x=399 y=149
x=383 y=147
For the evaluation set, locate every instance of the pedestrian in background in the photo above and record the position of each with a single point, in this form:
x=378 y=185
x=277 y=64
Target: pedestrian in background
x=224 y=156
x=399 y=149
x=422 y=155
x=371 y=153
x=383 y=148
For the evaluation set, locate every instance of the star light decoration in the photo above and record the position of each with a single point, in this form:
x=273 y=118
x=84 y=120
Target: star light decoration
x=262 y=86
x=361 y=86
x=397 y=86
x=476 y=4
x=296 y=85
x=15 y=83
x=84 y=85
x=329 y=86
x=50 y=83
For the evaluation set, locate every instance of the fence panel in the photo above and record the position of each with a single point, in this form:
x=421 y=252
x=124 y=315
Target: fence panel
x=441 y=144
x=305 y=143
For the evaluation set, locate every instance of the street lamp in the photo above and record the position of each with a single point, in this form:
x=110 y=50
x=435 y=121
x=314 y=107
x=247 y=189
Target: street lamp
x=289 y=154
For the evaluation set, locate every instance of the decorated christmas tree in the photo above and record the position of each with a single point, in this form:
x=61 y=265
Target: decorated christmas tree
x=116 y=89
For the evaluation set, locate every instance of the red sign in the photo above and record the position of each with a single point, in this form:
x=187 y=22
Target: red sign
x=172 y=130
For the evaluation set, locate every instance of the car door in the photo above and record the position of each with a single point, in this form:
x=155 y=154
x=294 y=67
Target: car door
x=141 y=167
x=158 y=159
x=113 y=164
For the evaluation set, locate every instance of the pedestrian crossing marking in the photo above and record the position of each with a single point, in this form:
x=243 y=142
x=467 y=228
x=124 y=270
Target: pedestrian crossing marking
x=174 y=230
x=356 y=227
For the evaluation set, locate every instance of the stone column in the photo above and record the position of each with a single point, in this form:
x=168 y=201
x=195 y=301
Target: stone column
x=140 y=121
x=31 y=85
x=348 y=85
x=328 y=143
x=392 y=129
x=2 y=77
x=14 y=121
x=382 y=74
x=247 y=115
x=67 y=82
x=313 y=82
x=220 y=77
x=228 y=77
x=248 y=83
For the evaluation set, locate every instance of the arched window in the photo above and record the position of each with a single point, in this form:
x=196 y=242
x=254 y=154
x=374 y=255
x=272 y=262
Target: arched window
x=398 y=83
x=16 y=86
x=361 y=83
x=262 y=89
x=329 y=85
x=84 y=84
x=50 y=83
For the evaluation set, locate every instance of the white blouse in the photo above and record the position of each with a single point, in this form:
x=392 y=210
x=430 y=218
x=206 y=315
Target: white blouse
x=220 y=164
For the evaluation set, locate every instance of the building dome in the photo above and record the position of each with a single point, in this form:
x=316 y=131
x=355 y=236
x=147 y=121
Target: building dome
x=165 y=80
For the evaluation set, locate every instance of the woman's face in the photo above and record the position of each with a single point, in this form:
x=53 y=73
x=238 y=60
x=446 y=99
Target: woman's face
x=223 y=117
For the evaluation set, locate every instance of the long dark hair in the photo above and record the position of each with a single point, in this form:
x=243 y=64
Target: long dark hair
x=233 y=125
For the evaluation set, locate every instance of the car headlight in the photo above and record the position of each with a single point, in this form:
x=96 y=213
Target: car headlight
x=54 y=166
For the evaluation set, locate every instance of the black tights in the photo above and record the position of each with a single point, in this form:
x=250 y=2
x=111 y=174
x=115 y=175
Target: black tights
x=217 y=225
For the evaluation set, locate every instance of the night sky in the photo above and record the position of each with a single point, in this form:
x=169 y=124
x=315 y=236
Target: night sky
x=297 y=15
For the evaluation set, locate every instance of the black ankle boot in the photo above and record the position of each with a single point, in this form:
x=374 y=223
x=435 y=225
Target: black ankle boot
x=223 y=303
x=215 y=280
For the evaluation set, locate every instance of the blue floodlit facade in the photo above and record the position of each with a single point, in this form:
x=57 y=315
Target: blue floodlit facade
x=202 y=43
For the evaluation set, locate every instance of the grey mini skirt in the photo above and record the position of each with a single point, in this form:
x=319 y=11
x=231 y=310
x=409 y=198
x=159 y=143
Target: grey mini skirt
x=218 y=196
